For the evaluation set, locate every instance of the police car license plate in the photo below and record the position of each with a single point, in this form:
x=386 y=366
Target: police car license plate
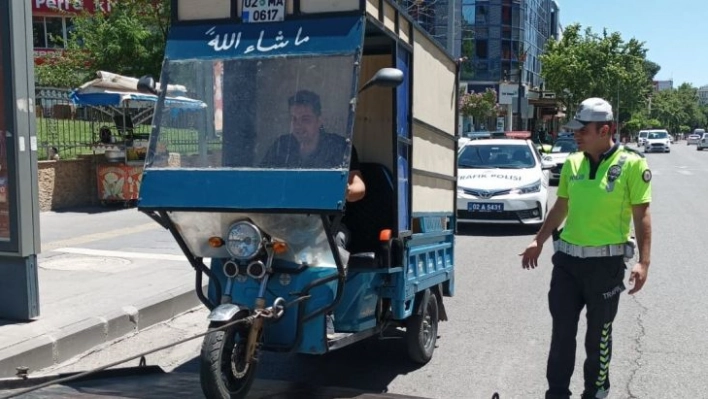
x=485 y=207
x=263 y=10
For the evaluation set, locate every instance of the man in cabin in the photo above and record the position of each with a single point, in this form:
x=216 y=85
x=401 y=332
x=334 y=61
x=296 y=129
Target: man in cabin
x=602 y=187
x=309 y=146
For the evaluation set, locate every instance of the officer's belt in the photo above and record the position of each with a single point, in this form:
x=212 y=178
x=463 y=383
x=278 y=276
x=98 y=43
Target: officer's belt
x=589 y=252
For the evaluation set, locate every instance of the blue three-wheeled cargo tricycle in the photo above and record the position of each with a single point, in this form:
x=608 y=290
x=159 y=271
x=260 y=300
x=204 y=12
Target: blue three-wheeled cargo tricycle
x=320 y=199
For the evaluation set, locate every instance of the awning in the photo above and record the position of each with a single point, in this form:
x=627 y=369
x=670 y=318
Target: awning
x=116 y=98
x=110 y=89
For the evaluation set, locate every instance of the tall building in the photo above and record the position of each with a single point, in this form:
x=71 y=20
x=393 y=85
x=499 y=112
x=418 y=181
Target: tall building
x=703 y=95
x=440 y=18
x=556 y=28
x=502 y=41
x=661 y=85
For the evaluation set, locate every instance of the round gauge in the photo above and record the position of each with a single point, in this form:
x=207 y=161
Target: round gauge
x=244 y=240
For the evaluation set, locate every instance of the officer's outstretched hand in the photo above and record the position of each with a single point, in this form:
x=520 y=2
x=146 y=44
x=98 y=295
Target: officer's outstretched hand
x=529 y=258
x=638 y=277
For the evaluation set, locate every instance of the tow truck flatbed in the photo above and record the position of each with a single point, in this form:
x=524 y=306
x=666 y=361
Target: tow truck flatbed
x=154 y=383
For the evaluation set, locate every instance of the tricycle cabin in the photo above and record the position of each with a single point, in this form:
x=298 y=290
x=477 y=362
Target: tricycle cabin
x=245 y=71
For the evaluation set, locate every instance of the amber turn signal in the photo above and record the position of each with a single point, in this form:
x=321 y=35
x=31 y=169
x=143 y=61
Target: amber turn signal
x=216 y=242
x=385 y=235
x=280 y=247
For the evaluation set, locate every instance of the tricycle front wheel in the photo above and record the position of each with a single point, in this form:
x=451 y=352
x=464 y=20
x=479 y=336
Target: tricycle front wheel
x=224 y=372
x=422 y=329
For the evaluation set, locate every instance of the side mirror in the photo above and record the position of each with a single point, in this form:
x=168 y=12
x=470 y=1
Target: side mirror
x=385 y=77
x=147 y=84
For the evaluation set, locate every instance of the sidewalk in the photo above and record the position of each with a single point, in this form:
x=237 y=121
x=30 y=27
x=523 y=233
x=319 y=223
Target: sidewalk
x=102 y=274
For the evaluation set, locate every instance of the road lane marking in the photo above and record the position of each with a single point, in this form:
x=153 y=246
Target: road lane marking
x=685 y=172
x=121 y=254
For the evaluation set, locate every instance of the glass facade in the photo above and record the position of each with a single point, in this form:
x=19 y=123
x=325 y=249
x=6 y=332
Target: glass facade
x=5 y=112
x=495 y=33
x=440 y=18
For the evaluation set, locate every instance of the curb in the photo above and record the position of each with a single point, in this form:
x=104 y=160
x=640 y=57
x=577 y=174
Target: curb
x=56 y=347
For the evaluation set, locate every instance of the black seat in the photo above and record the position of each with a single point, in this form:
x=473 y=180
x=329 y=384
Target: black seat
x=367 y=217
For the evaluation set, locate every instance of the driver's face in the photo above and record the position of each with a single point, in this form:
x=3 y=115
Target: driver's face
x=304 y=124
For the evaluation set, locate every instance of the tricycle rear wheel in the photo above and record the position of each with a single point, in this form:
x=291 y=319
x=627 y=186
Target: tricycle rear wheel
x=223 y=371
x=422 y=329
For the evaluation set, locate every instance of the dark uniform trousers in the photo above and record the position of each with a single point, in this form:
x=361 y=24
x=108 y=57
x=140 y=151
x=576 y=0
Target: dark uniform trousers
x=595 y=283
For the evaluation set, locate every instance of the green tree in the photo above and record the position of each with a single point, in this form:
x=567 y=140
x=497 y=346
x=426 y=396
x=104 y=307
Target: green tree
x=653 y=124
x=467 y=70
x=479 y=106
x=704 y=111
x=667 y=109
x=130 y=40
x=676 y=108
x=652 y=69
x=586 y=64
x=636 y=123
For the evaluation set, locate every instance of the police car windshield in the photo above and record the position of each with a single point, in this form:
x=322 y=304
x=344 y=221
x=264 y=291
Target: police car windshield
x=563 y=146
x=489 y=156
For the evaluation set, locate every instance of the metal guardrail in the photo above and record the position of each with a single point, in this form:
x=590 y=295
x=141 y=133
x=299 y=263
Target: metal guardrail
x=62 y=127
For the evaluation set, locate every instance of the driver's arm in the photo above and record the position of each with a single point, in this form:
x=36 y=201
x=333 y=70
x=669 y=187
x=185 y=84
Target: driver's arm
x=356 y=189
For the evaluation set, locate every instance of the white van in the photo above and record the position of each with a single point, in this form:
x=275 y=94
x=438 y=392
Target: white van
x=642 y=137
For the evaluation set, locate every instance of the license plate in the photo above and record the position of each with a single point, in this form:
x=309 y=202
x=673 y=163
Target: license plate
x=255 y=11
x=485 y=207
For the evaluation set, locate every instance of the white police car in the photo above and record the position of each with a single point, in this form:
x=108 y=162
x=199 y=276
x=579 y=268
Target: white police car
x=559 y=153
x=502 y=181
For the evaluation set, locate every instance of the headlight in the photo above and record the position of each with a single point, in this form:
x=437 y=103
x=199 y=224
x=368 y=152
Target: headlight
x=244 y=240
x=527 y=189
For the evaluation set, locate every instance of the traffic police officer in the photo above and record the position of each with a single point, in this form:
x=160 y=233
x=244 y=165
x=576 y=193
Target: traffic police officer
x=602 y=187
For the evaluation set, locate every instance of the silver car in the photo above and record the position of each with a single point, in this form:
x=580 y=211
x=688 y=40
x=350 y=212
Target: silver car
x=693 y=139
x=703 y=142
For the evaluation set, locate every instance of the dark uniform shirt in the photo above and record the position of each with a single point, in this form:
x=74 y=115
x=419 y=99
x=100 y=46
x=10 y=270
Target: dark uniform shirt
x=285 y=153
